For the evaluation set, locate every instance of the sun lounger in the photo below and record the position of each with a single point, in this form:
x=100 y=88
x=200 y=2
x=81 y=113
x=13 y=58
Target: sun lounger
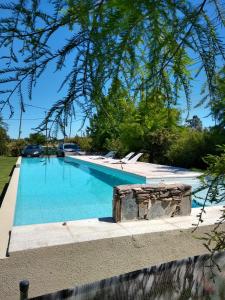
x=109 y=155
x=112 y=160
x=131 y=160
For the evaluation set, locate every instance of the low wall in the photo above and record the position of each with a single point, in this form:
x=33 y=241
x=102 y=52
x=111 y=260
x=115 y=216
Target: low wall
x=191 y=278
x=145 y=201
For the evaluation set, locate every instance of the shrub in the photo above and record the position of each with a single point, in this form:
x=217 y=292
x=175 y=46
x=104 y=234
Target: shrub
x=157 y=143
x=3 y=141
x=214 y=136
x=37 y=138
x=15 y=147
x=188 y=149
x=84 y=142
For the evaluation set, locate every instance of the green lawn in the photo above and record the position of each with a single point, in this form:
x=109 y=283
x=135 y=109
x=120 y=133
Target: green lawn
x=6 y=165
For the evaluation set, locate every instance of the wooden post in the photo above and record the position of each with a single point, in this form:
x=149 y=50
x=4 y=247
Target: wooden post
x=24 y=286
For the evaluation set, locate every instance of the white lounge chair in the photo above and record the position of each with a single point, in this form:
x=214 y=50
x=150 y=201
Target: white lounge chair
x=110 y=154
x=132 y=160
x=112 y=160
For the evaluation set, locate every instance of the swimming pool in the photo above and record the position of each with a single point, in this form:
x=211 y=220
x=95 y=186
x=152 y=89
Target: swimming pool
x=58 y=189
x=198 y=197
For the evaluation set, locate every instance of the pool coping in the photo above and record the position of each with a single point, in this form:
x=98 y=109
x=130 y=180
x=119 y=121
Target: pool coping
x=188 y=174
x=75 y=158
x=7 y=210
x=54 y=234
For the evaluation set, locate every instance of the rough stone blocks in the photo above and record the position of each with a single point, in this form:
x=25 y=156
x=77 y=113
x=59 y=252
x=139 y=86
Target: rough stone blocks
x=144 y=201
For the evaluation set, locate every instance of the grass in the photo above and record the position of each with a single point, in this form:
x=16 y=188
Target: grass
x=6 y=165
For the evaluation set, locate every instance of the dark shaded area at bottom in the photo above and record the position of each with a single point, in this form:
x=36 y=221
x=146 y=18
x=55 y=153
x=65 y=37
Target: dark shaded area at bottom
x=199 y=277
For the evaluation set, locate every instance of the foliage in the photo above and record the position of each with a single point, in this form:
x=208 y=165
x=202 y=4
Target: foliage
x=146 y=45
x=214 y=136
x=123 y=126
x=194 y=123
x=3 y=137
x=214 y=182
x=3 y=141
x=160 y=125
x=158 y=142
x=15 y=147
x=188 y=149
x=37 y=138
x=85 y=142
x=108 y=125
x=218 y=106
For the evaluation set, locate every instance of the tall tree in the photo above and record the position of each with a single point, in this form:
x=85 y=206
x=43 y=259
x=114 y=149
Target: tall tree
x=111 y=114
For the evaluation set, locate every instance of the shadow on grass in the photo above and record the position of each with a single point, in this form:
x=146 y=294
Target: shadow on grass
x=4 y=190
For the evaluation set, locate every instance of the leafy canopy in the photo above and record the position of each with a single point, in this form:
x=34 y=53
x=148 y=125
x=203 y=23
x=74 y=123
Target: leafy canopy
x=147 y=44
x=218 y=106
x=123 y=125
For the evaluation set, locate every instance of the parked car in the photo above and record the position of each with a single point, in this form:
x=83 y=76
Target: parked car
x=32 y=151
x=68 y=149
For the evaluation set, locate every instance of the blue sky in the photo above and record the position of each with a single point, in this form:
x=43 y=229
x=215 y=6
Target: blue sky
x=45 y=95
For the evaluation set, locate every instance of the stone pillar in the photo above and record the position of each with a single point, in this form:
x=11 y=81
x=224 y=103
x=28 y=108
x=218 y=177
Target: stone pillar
x=146 y=202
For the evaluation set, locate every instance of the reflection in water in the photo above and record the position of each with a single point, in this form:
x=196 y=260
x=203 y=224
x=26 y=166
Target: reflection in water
x=107 y=178
x=187 y=279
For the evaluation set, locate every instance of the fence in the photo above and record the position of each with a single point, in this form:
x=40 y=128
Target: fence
x=200 y=277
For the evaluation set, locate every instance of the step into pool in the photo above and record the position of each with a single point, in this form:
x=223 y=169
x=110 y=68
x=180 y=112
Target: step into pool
x=58 y=190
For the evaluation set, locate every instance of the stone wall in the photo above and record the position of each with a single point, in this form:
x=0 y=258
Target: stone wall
x=144 y=201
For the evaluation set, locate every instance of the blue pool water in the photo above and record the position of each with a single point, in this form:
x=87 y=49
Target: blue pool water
x=198 y=197
x=58 y=189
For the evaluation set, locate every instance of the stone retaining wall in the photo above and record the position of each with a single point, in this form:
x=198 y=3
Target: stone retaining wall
x=144 y=201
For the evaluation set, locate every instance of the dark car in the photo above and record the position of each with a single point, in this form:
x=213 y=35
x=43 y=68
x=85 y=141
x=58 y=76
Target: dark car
x=32 y=151
x=68 y=149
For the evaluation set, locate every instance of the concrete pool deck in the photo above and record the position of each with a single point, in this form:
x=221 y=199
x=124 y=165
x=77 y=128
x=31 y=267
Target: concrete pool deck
x=148 y=170
x=52 y=234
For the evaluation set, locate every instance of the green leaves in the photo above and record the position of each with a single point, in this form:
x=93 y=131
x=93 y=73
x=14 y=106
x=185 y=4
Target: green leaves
x=216 y=162
x=218 y=105
x=149 y=45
